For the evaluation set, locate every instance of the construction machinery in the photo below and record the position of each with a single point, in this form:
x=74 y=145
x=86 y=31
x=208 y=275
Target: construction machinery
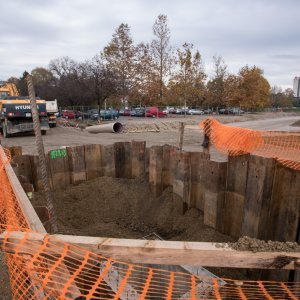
x=52 y=110
x=15 y=111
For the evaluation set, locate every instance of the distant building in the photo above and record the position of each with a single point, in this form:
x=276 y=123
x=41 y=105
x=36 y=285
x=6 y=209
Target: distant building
x=296 y=87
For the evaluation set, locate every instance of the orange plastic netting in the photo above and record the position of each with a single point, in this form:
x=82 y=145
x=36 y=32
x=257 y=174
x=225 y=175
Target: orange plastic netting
x=43 y=267
x=283 y=146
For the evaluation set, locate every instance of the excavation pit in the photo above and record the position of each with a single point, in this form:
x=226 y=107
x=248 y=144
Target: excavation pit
x=125 y=208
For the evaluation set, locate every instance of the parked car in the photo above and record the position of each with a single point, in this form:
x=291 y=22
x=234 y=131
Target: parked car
x=231 y=111
x=169 y=110
x=108 y=114
x=195 y=112
x=181 y=111
x=208 y=111
x=224 y=111
x=83 y=115
x=69 y=114
x=139 y=112
x=125 y=112
x=154 y=112
x=236 y=111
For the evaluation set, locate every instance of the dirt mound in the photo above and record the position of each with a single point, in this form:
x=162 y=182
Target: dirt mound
x=170 y=125
x=124 y=208
x=296 y=124
x=250 y=244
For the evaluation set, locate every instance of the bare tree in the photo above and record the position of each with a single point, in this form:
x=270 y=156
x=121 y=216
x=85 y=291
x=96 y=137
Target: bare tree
x=103 y=81
x=215 y=86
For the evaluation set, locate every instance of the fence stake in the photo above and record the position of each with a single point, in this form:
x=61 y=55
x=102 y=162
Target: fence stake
x=181 y=132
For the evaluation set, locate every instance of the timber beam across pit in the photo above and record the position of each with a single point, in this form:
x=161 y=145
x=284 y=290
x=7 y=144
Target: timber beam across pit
x=154 y=251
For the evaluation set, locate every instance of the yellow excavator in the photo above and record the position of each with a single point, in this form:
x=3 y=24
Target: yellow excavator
x=15 y=111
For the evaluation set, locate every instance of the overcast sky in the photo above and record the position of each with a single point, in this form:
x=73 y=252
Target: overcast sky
x=265 y=33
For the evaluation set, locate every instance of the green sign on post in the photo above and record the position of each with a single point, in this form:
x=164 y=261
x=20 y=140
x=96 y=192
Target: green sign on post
x=58 y=153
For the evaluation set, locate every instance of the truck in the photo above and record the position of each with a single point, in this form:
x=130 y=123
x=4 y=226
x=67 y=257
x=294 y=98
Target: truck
x=15 y=112
x=52 y=110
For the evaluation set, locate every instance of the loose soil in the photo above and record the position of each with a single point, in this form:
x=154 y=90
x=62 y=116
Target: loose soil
x=4 y=280
x=124 y=208
x=250 y=244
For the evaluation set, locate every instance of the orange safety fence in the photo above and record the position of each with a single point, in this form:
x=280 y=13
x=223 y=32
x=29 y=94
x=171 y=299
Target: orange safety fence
x=282 y=146
x=43 y=267
x=52 y=268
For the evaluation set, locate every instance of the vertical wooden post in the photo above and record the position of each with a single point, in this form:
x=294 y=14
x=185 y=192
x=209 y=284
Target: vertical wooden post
x=37 y=174
x=59 y=168
x=258 y=196
x=147 y=160
x=182 y=181
x=122 y=153
x=166 y=166
x=214 y=181
x=108 y=160
x=233 y=206
x=138 y=150
x=197 y=184
x=155 y=170
x=24 y=166
x=77 y=164
x=180 y=137
x=93 y=161
x=285 y=205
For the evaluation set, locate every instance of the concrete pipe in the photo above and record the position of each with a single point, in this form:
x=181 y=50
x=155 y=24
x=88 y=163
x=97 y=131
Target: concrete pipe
x=110 y=127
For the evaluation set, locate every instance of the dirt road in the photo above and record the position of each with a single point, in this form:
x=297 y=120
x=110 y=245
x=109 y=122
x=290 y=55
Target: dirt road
x=168 y=132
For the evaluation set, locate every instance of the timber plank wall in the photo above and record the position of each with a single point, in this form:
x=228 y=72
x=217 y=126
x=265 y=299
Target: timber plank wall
x=248 y=195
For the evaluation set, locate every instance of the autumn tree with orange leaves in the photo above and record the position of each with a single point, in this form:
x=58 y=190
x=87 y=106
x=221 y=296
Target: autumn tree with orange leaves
x=254 y=88
x=188 y=81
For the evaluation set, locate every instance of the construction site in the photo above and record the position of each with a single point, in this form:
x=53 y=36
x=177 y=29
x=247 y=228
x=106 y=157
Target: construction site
x=176 y=209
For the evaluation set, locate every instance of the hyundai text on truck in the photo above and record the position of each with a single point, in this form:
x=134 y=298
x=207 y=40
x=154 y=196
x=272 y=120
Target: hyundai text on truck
x=15 y=112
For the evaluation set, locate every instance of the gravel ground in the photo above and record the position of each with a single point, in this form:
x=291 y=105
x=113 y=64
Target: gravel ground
x=168 y=132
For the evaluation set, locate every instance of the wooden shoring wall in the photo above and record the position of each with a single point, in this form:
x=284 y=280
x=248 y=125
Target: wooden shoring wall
x=248 y=195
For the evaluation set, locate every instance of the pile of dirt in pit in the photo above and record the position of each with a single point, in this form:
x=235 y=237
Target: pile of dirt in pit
x=250 y=244
x=123 y=208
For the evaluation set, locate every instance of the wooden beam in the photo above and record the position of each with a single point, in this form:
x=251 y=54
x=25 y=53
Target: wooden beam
x=27 y=209
x=168 y=252
x=30 y=215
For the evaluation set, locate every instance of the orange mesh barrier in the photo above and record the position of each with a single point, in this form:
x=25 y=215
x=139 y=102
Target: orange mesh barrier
x=283 y=146
x=99 y=277
x=41 y=267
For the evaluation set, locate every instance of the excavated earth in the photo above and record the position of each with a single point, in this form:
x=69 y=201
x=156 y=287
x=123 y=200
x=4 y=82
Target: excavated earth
x=124 y=208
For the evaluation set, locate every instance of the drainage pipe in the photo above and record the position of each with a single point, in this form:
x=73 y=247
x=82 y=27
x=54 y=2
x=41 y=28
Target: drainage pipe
x=116 y=127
